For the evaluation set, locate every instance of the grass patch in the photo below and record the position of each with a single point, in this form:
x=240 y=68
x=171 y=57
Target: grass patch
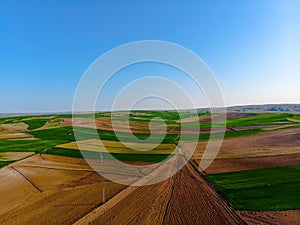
x=5 y=163
x=257 y=120
x=261 y=119
x=66 y=152
x=35 y=123
x=60 y=133
x=260 y=189
x=17 y=145
x=112 y=136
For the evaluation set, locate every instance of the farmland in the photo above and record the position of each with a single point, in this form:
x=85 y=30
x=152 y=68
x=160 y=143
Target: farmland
x=261 y=189
x=255 y=173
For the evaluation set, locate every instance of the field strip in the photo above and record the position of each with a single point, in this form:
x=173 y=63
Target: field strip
x=14 y=156
x=29 y=182
x=58 y=168
x=117 y=147
x=119 y=197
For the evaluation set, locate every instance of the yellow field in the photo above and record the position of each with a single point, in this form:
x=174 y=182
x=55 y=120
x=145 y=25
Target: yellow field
x=11 y=156
x=117 y=147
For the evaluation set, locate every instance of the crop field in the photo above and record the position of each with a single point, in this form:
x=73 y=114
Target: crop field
x=117 y=147
x=14 y=156
x=261 y=189
x=255 y=174
x=151 y=158
x=37 y=146
x=225 y=165
x=47 y=191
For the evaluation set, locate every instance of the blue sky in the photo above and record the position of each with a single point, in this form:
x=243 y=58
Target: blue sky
x=252 y=46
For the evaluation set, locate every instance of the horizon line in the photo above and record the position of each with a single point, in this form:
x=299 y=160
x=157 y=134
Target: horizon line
x=149 y=109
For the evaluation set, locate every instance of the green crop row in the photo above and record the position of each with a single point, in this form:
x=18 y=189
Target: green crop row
x=260 y=189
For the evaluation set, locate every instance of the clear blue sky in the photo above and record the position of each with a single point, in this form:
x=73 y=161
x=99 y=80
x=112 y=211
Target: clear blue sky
x=252 y=46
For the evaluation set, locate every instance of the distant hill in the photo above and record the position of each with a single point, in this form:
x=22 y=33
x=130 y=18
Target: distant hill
x=10 y=114
x=269 y=108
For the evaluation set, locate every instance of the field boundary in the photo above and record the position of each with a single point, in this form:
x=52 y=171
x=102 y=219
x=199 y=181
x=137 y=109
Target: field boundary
x=29 y=182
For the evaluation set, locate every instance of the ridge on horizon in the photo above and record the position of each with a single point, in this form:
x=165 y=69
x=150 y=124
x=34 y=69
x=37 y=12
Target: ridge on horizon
x=263 y=108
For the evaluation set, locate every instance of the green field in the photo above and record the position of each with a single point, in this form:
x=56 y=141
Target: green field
x=19 y=145
x=254 y=120
x=5 y=163
x=260 y=189
x=35 y=123
x=67 y=133
x=96 y=155
x=61 y=135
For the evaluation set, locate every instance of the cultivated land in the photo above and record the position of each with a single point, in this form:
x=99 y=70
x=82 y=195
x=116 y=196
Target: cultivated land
x=254 y=180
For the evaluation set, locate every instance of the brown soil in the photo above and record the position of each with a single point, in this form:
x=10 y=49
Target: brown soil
x=185 y=198
x=14 y=127
x=230 y=115
x=45 y=195
x=265 y=127
x=59 y=190
x=234 y=115
x=105 y=124
x=144 y=205
x=15 y=135
x=279 y=142
x=194 y=201
x=231 y=165
x=202 y=131
x=288 y=217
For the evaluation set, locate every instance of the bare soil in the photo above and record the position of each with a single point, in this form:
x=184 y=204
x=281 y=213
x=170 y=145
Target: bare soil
x=45 y=195
x=185 y=198
x=287 y=217
x=15 y=135
x=278 y=142
x=238 y=164
x=106 y=124
x=14 y=127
